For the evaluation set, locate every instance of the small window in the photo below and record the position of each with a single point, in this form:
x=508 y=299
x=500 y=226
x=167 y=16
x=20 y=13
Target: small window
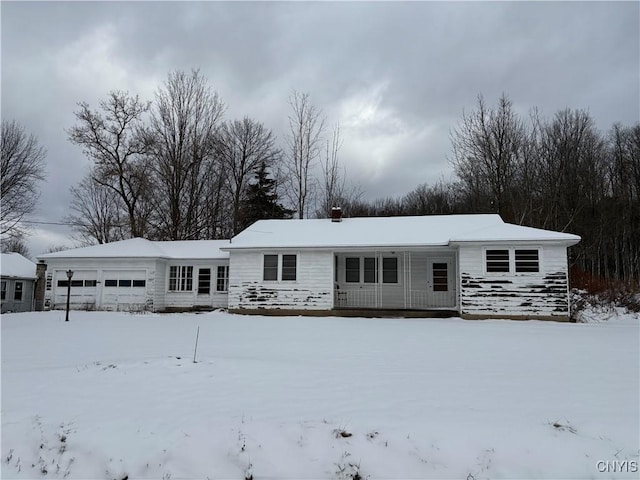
x=390 y=270
x=222 y=280
x=440 y=277
x=289 y=267
x=124 y=283
x=17 y=294
x=527 y=261
x=204 y=281
x=63 y=283
x=90 y=283
x=270 y=272
x=77 y=283
x=4 y=290
x=497 y=260
x=108 y=283
x=139 y=283
x=352 y=269
x=370 y=270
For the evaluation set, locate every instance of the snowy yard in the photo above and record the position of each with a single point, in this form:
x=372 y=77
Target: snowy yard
x=116 y=396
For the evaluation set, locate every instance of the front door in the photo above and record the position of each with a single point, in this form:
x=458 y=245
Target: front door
x=440 y=283
x=203 y=295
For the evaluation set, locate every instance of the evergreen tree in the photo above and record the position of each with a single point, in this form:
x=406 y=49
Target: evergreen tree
x=261 y=200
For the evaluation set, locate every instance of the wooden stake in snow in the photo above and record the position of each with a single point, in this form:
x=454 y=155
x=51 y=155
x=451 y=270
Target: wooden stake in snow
x=196 y=347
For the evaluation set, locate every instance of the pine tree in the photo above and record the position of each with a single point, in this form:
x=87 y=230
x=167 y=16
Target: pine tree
x=261 y=201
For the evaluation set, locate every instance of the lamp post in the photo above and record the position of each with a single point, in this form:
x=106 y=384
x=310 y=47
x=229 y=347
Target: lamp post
x=69 y=276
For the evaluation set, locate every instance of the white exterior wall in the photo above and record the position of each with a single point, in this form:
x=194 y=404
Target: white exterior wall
x=191 y=298
x=544 y=293
x=312 y=289
x=154 y=296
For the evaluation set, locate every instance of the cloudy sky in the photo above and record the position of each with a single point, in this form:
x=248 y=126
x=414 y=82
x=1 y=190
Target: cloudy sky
x=396 y=76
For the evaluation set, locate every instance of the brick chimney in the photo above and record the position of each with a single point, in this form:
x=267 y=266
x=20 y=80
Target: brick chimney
x=41 y=281
x=336 y=214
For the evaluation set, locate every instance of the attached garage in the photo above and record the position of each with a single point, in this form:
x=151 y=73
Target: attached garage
x=139 y=274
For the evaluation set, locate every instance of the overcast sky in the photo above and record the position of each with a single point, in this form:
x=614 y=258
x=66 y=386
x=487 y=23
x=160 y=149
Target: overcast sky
x=396 y=76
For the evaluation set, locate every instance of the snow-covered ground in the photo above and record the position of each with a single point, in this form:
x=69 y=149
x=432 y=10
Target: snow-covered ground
x=117 y=396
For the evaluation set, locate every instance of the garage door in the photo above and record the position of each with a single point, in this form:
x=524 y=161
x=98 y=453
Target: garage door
x=124 y=289
x=83 y=288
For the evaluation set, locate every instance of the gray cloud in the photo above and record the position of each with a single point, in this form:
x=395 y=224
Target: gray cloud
x=397 y=76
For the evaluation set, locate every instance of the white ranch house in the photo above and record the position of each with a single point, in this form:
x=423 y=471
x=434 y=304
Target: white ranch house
x=475 y=266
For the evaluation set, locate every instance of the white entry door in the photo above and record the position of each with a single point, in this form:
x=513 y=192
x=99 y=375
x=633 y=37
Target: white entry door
x=441 y=283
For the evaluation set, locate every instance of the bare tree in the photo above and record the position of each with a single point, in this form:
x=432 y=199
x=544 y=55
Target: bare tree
x=16 y=244
x=184 y=119
x=303 y=149
x=244 y=147
x=487 y=150
x=96 y=212
x=111 y=138
x=21 y=170
x=334 y=189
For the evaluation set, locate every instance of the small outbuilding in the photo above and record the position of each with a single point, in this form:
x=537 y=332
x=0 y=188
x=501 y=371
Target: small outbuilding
x=17 y=279
x=476 y=266
x=139 y=274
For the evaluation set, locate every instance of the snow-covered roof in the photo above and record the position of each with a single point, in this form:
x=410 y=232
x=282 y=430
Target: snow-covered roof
x=372 y=232
x=143 y=248
x=15 y=265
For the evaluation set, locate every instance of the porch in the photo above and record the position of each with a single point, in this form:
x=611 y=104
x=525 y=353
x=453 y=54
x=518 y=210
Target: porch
x=396 y=280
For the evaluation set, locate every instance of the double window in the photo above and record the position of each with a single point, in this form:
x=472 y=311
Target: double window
x=365 y=270
x=288 y=268
x=507 y=260
x=181 y=278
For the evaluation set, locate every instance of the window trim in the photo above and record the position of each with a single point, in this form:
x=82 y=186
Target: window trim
x=288 y=267
x=270 y=267
x=359 y=270
x=512 y=260
x=224 y=278
x=279 y=267
x=183 y=278
x=17 y=290
x=397 y=270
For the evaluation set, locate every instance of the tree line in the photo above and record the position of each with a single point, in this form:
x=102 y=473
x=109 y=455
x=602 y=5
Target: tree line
x=559 y=173
x=174 y=168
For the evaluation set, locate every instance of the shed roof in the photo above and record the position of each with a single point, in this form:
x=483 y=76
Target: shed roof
x=372 y=232
x=15 y=265
x=143 y=248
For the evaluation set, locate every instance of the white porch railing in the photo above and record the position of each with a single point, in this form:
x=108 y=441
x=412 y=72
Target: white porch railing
x=369 y=298
x=356 y=298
